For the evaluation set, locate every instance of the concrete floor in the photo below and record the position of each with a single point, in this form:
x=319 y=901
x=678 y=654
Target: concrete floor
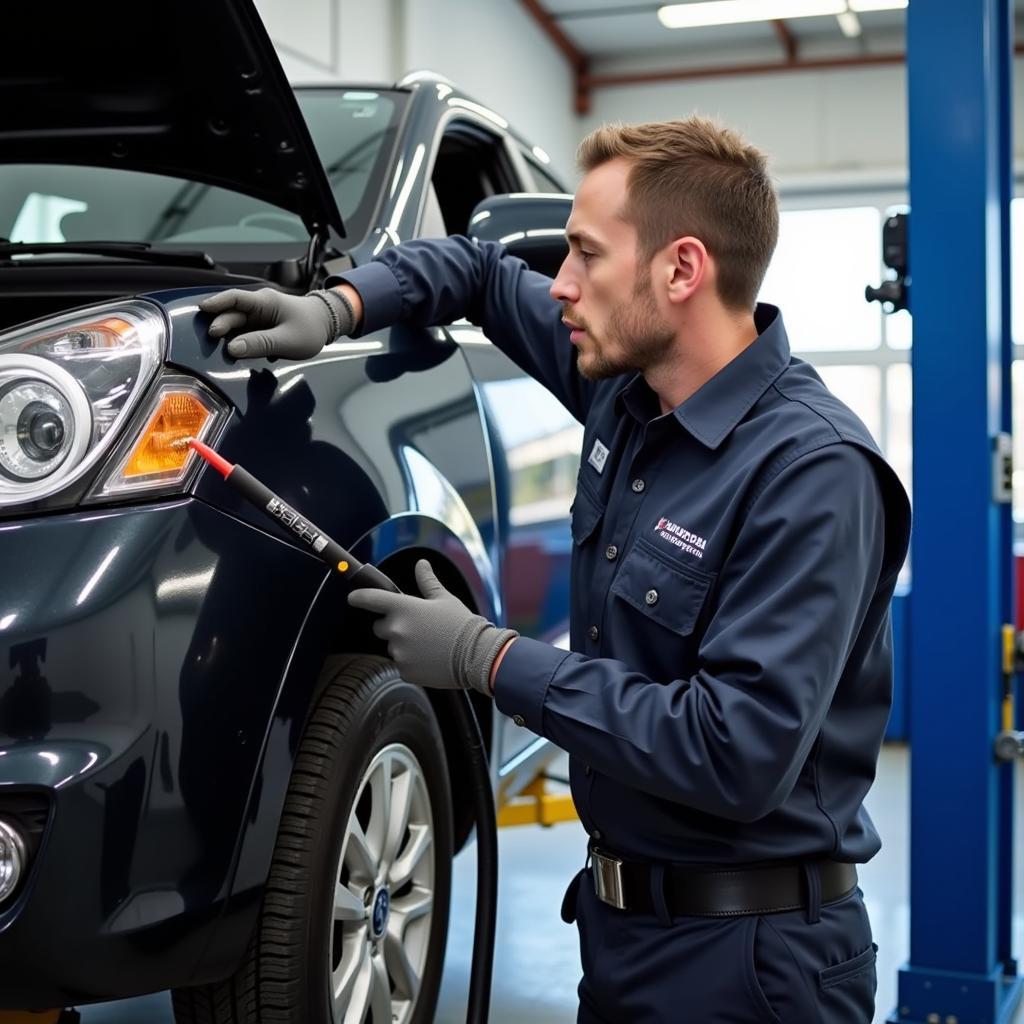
x=537 y=962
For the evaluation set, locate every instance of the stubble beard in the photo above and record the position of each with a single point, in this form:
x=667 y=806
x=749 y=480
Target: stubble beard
x=638 y=332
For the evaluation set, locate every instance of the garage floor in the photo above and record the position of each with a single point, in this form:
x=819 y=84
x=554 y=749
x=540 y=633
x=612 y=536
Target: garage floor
x=537 y=962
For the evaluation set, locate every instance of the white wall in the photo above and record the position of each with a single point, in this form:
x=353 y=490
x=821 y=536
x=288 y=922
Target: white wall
x=828 y=127
x=496 y=52
x=491 y=48
x=810 y=123
x=335 y=40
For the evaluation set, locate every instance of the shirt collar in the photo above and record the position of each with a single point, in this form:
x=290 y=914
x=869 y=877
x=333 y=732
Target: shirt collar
x=712 y=412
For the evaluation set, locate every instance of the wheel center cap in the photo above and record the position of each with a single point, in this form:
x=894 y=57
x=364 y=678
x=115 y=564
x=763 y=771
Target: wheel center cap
x=381 y=910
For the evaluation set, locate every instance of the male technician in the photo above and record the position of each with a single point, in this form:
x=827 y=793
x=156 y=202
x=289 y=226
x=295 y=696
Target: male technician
x=737 y=538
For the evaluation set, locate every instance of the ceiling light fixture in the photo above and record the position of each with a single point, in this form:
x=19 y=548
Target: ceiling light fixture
x=860 y=6
x=849 y=23
x=733 y=12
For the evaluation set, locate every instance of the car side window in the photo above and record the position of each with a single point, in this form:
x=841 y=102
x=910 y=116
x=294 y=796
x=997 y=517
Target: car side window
x=472 y=164
x=544 y=181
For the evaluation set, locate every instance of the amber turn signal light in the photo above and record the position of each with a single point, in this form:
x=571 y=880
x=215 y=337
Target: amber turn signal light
x=162 y=447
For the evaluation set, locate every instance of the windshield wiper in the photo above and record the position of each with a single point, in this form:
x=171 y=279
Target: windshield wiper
x=143 y=252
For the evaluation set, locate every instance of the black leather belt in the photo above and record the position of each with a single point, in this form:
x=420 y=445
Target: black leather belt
x=716 y=892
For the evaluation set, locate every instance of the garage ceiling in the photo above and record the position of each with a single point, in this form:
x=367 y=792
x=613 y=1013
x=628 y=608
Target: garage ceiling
x=609 y=28
x=617 y=42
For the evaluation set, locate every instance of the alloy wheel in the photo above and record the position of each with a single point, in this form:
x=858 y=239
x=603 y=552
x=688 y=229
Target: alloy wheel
x=384 y=894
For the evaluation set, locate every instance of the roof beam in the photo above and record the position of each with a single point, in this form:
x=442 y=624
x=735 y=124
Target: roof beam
x=786 y=37
x=766 y=68
x=725 y=70
x=578 y=60
x=585 y=82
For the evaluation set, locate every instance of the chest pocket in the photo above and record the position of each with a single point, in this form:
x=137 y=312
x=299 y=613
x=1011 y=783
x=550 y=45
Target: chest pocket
x=671 y=595
x=586 y=514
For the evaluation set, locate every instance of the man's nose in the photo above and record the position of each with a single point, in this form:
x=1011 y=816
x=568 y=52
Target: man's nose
x=564 y=288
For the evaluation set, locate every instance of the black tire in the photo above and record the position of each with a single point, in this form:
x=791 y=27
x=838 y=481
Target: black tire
x=366 y=719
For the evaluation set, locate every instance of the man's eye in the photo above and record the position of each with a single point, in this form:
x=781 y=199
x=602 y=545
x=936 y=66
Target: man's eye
x=587 y=256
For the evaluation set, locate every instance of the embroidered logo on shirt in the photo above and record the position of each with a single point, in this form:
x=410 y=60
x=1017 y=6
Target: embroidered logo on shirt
x=675 y=534
x=598 y=456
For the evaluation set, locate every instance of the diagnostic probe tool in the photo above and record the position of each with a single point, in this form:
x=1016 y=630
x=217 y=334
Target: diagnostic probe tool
x=360 y=574
x=357 y=574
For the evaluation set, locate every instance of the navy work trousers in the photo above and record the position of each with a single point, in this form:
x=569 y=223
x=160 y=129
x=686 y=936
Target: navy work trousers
x=781 y=968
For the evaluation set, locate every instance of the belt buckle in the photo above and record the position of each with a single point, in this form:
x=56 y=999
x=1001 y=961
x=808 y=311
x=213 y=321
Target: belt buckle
x=608 y=879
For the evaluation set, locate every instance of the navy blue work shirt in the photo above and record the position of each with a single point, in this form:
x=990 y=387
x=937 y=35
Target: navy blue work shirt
x=733 y=564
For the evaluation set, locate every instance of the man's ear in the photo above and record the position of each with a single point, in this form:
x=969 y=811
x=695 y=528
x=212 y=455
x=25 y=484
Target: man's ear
x=687 y=267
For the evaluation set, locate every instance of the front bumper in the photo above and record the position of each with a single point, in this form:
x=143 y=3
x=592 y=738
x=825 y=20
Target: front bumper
x=143 y=650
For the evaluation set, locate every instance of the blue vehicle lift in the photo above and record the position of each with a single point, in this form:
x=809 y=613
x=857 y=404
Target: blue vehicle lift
x=959 y=66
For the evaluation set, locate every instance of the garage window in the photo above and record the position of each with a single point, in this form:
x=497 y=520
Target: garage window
x=824 y=258
x=827 y=252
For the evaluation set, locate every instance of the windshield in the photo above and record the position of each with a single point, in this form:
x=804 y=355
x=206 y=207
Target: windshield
x=354 y=132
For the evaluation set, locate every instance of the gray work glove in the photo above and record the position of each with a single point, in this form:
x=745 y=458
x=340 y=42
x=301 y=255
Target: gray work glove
x=435 y=640
x=289 y=326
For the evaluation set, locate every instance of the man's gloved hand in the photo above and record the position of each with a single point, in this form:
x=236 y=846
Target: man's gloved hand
x=435 y=640
x=289 y=326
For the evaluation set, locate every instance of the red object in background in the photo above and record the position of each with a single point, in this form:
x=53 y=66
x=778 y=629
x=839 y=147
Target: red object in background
x=526 y=587
x=1019 y=572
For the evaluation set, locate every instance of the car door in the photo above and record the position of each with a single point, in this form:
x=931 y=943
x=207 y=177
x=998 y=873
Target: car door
x=535 y=441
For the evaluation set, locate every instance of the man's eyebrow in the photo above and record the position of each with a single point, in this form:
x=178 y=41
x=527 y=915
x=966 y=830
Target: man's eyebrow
x=582 y=238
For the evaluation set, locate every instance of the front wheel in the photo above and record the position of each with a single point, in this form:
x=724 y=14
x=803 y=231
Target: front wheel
x=355 y=914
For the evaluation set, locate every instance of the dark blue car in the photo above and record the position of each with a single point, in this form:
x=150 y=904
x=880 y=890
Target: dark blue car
x=211 y=780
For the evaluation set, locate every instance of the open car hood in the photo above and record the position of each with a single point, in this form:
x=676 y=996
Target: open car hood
x=188 y=88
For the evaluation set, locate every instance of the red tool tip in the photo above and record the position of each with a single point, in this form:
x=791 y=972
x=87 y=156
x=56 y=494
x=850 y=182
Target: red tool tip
x=218 y=462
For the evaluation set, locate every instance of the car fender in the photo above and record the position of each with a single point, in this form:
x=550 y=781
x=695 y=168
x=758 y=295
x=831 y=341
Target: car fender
x=395 y=545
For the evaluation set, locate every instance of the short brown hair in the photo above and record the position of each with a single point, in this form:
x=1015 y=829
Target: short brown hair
x=694 y=177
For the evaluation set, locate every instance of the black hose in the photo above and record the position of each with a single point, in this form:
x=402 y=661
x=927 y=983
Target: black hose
x=482 y=967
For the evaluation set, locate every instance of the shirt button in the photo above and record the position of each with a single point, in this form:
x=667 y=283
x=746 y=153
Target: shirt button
x=651 y=597
x=587 y=769
x=519 y=720
x=597 y=834
x=638 y=485
x=611 y=552
x=593 y=632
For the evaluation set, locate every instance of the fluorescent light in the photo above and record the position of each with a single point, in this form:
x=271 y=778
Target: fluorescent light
x=849 y=23
x=733 y=12
x=860 y=6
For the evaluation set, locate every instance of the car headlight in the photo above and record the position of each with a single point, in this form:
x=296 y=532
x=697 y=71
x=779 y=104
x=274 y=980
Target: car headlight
x=12 y=859
x=66 y=386
x=44 y=420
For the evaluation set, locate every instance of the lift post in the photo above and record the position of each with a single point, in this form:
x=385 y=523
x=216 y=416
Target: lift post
x=959 y=65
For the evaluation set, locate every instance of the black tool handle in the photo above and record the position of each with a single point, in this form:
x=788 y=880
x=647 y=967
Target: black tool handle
x=323 y=546
x=356 y=573
x=370 y=576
